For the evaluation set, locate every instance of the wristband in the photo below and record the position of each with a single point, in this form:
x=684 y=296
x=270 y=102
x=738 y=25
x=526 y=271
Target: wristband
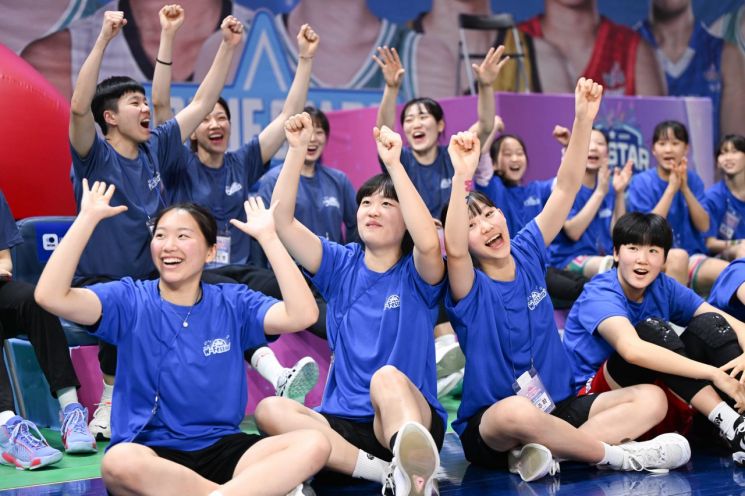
x=162 y=62
x=469 y=185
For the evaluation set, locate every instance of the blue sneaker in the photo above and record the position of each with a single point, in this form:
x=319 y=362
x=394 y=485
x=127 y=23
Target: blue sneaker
x=75 y=434
x=23 y=445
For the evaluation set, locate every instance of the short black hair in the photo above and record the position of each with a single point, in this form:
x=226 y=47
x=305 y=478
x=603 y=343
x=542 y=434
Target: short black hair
x=643 y=229
x=383 y=184
x=678 y=128
x=319 y=119
x=202 y=216
x=473 y=199
x=224 y=104
x=737 y=141
x=430 y=104
x=107 y=97
x=602 y=131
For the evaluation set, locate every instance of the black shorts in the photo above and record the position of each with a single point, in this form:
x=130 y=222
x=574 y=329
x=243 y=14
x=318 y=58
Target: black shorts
x=216 y=462
x=362 y=434
x=574 y=410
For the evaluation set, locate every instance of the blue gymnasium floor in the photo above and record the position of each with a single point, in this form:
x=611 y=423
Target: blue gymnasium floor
x=708 y=473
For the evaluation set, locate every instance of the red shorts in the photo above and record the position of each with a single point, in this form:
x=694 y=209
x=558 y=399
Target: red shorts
x=679 y=416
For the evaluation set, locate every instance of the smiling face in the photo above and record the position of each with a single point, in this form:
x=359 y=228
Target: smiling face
x=597 y=154
x=669 y=150
x=511 y=161
x=421 y=128
x=316 y=145
x=379 y=221
x=488 y=235
x=179 y=249
x=638 y=266
x=131 y=117
x=730 y=160
x=213 y=133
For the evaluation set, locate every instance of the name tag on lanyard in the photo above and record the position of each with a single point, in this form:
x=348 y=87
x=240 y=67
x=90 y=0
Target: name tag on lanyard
x=529 y=385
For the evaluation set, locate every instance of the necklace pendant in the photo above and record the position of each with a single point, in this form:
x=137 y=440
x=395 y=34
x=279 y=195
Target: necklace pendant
x=185 y=324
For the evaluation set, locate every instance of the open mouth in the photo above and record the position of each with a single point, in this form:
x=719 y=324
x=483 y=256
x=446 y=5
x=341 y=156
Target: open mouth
x=215 y=137
x=641 y=272
x=493 y=240
x=312 y=149
x=145 y=123
x=418 y=135
x=171 y=261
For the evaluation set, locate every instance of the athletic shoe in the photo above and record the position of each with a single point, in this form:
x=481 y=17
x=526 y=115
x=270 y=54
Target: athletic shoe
x=23 y=445
x=606 y=264
x=738 y=442
x=532 y=462
x=415 y=463
x=75 y=434
x=100 y=425
x=302 y=490
x=447 y=384
x=657 y=455
x=449 y=359
x=297 y=382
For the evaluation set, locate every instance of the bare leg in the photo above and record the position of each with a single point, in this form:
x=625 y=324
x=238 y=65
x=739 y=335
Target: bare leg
x=443 y=329
x=676 y=265
x=707 y=273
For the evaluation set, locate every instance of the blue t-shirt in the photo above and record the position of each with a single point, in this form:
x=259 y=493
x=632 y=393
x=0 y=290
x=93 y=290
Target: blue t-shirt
x=724 y=293
x=602 y=298
x=433 y=181
x=198 y=370
x=500 y=324
x=726 y=213
x=596 y=240
x=221 y=190
x=519 y=204
x=645 y=191
x=10 y=236
x=699 y=70
x=324 y=201
x=120 y=245
x=375 y=319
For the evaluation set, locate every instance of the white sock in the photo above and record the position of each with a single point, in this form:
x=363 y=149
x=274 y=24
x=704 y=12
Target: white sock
x=369 y=468
x=266 y=364
x=67 y=396
x=724 y=417
x=108 y=393
x=6 y=415
x=445 y=340
x=613 y=456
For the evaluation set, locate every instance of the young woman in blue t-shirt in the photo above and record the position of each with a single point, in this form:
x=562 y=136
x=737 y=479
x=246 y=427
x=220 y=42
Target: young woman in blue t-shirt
x=505 y=324
x=181 y=382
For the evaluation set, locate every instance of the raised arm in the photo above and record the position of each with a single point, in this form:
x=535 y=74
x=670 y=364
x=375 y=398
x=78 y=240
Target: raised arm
x=485 y=170
x=587 y=97
x=393 y=73
x=486 y=74
x=575 y=227
x=53 y=291
x=464 y=154
x=662 y=208
x=82 y=124
x=272 y=136
x=171 y=18
x=304 y=246
x=298 y=308
x=418 y=220
x=209 y=91
x=621 y=181
x=699 y=216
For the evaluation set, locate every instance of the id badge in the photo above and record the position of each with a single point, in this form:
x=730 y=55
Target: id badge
x=223 y=249
x=529 y=385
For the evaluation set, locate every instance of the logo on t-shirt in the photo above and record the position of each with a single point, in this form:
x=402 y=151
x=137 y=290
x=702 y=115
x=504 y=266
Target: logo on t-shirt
x=330 y=201
x=216 y=346
x=393 y=301
x=445 y=183
x=535 y=297
x=605 y=213
x=154 y=181
x=532 y=201
x=233 y=188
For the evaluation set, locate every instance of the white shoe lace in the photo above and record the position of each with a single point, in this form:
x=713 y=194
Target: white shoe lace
x=640 y=458
x=389 y=484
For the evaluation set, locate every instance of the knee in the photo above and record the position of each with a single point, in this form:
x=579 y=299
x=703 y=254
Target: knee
x=712 y=329
x=657 y=331
x=516 y=416
x=271 y=411
x=388 y=380
x=119 y=467
x=651 y=399
x=317 y=449
x=677 y=259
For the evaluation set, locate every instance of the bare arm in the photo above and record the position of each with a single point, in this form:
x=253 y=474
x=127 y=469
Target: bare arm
x=575 y=227
x=82 y=124
x=648 y=74
x=666 y=200
x=53 y=291
x=209 y=91
x=171 y=19
x=569 y=177
x=418 y=220
x=699 y=216
x=6 y=264
x=298 y=308
x=486 y=74
x=303 y=245
x=272 y=136
x=621 y=181
x=393 y=73
x=733 y=96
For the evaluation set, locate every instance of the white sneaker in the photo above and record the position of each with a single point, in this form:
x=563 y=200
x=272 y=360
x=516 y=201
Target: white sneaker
x=657 y=455
x=448 y=383
x=532 y=462
x=100 y=425
x=449 y=359
x=415 y=463
x=296 y=383
x=606 y=264
x=302 y=490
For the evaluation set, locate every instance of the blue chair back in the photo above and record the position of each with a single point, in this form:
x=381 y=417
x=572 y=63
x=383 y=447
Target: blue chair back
x=41 y=235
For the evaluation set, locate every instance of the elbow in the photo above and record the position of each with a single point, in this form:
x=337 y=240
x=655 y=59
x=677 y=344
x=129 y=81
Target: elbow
x=310 y=316
x=572 y=234
x=42 y=298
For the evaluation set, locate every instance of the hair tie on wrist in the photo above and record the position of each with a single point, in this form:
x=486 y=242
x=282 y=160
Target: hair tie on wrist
x=162 y=62
x=469 y=185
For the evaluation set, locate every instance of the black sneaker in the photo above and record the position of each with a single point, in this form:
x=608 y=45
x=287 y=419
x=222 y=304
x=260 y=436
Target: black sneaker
x=737 y=443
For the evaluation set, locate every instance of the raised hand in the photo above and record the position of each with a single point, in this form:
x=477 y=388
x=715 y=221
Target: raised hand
x=561 y=134
x=298 y=130
x=731 y=387
x=622 y=177
x=171 y=17
x=681 y=170
x=487 y=72
x=259 y=219
x=307 y=42
x=603 y=183
x=389 y=145
x=390 y=64
x=96 y=199
x=113 y=22
x=464 y=150
x=232 y=31
x=587 y=97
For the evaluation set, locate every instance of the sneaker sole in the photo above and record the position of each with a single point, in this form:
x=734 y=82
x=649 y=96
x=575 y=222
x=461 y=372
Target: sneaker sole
x=302 y=381
x=418 y=455
x=447 y=384
x=81 y=447
x=34 y=463
x=532 y=462
x=452 y=361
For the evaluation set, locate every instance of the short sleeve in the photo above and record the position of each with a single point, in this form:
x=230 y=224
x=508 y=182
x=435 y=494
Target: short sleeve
x=465 y=313
x=683 y=301
x=335 y=260
x=597 y=304
x=265 y=185
x=255 y=306
x=118 y=308
x=431 y=294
